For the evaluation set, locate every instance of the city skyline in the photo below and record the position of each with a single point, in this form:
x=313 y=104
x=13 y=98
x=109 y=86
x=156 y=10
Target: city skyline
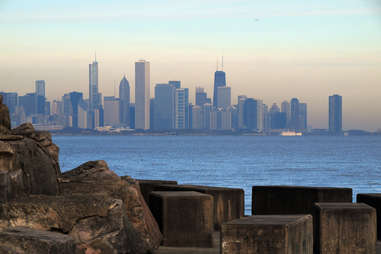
x=293 y=49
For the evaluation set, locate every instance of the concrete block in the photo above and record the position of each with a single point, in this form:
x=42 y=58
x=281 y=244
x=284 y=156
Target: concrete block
x=294 y=199
x=147 y=186
x=228 y=202
x=343 y=228
x=268 y=234
x=373 y=200
x=185 y=217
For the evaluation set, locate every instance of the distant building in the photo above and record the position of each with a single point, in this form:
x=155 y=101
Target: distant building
x=278 y=120
x=28 y=103
x=206 y=111
x=224 y=97
x=201 y=97
x=197 y=117
x=176 y=83
x=240 y=107
x=111 y=111
x=164 y=103
x=295 y=115
x=94 y=101
x=142 y=95
x=303 y=116
x=124 y=101
x=40 y=88
x=132 y=115
x=335 y=114
x=250 y=110
x=75 y=99
x=219 y=81
x=286 y=108
x=181 y=108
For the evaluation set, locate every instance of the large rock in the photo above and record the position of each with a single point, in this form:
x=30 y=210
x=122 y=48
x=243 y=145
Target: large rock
x=5 y=120
x=97 y=223
x=22 y=240
x=96 y=177
x=28 y=163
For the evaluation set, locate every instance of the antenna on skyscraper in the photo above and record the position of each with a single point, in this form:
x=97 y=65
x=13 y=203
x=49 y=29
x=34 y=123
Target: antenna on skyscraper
x=217 y=63
x=222 y=63
x=95 y=55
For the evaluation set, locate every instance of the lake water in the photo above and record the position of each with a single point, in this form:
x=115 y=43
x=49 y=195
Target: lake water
x=234 y=161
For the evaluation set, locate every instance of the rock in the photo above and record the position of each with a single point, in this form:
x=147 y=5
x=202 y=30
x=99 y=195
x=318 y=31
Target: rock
x=97 y=223
x=24 y=129
x=22 y=240
x=5 y=120
x=96 y=177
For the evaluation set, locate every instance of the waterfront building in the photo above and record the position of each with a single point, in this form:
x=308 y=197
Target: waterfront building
x=295 y=115
x=181 y=108
x=40 y=88
x=94 y=101
x=224 y=97
x=75 y=99
x=303 y=116
x=111 y=111
x=253 y=114
x=286 y=108
x=142 y=95
x=164 y=104
x=201 y=97
x=124 y=102
x=240 y=107
x=335 y=114
x=219 y=81
x=206 y=111
x=197 y=117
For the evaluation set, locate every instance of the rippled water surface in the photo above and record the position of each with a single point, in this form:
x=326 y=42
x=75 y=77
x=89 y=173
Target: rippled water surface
x=234 y=161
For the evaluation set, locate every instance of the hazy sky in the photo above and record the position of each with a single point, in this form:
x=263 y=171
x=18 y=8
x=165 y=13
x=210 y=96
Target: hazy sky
x=273 y=50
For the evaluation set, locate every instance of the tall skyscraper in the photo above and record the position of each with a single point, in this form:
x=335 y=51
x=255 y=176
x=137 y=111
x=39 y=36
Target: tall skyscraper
x=181 y=108
x=335 y=114
x=93 y=86
x=111 y=111
x=164 y=104
x=142 y=95
x=295 y=114
x=75 y=99
x=219 y=81
x=250 y=110
x=201 y=96
x=124 y=101
x=286 y=108
x=240 y=106
x=224 y=97
x=40 y=88
x=303 y=116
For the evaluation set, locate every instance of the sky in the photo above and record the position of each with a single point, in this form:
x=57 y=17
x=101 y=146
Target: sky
x=273 y=50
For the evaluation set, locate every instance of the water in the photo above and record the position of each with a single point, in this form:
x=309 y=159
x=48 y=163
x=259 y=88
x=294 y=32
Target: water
x=234 y=161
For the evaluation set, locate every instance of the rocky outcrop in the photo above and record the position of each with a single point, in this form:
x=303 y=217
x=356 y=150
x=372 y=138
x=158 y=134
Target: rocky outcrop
x=5 y=121
x=28 y=163
x=97 y=223
x=96 y=177
x=22 y=240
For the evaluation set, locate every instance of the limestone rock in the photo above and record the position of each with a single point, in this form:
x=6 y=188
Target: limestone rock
x=5 y=121
x=22 y=240
x=96 y=177
x=97 y=223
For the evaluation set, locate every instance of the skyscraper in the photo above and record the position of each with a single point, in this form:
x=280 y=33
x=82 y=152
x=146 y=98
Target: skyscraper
x=201 y=96
x=124 y=101
x=295 y=114
x=241 y=102
x=40 y=88
x=335 y=114
x=164 y=104
x=175 y=83
x=181 y=108
x=250 y=110
x=224 y=97
x=219 y=81
x=142 y=95
x=285 y=108
x=75 y=99
x=93 y=86
x=303 y=116
x=111 y=111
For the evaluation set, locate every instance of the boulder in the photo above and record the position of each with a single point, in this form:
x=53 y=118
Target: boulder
x=97 y=223
x=22 y=240
x=5 y=120
x=96 y=177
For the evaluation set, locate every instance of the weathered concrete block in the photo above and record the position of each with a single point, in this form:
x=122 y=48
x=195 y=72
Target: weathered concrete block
x=342 y=228
x=373 y=200
x=268 y=234
x=147 y=186
x=294 y=199
x=185 y=217
x=228 y=202
x=22 y=240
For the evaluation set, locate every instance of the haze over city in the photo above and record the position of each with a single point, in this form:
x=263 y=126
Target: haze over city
x=272 y=51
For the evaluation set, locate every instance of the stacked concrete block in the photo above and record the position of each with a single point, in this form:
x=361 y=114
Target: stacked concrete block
x=343 y=228
x=228 y=202
x=185 y=217
x=268 y=234
x=373 y=200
